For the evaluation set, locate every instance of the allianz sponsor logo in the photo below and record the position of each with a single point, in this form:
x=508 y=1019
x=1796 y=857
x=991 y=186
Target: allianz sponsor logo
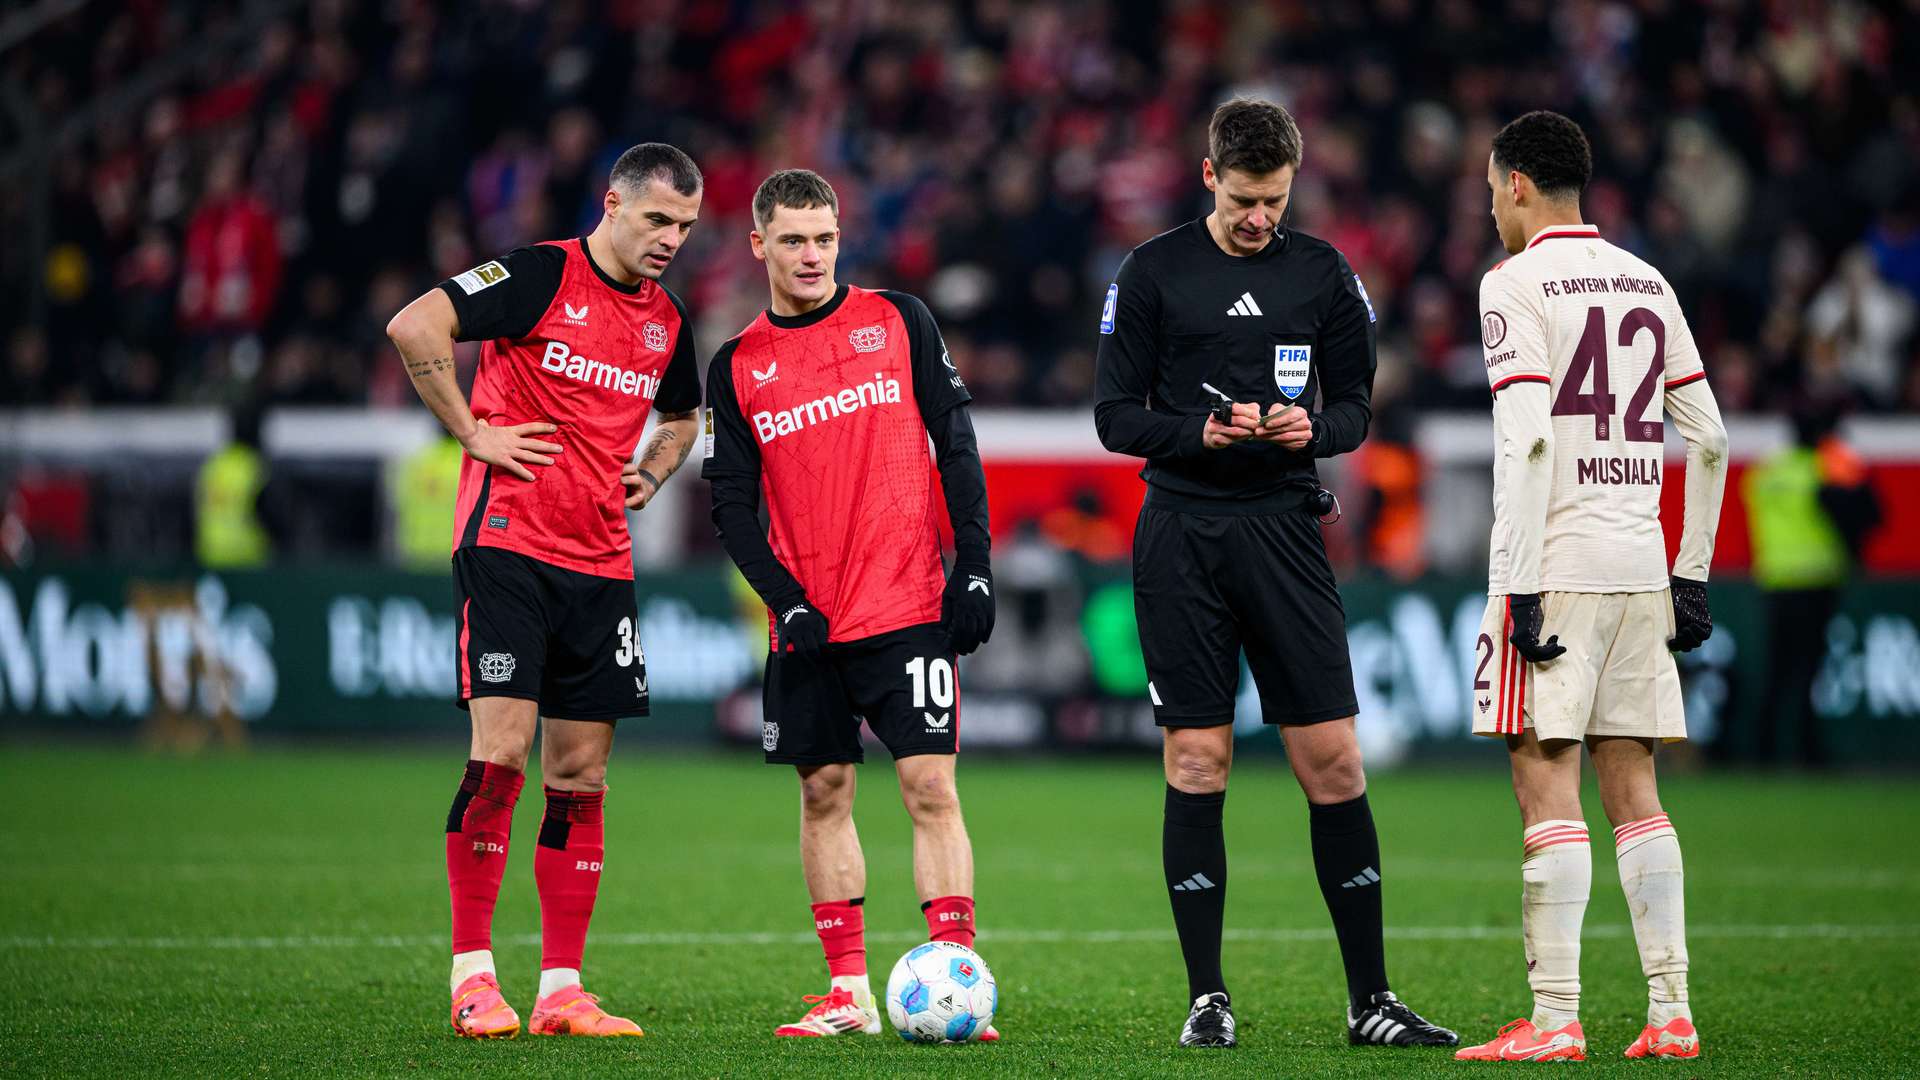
x=563 y=361
x=770 y=424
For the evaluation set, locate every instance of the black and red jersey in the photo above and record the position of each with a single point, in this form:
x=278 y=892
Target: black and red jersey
x=827 y=414
x=568 y=345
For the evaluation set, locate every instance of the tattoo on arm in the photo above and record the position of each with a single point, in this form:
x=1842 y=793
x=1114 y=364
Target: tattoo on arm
x=424 y=368
x=663 y=444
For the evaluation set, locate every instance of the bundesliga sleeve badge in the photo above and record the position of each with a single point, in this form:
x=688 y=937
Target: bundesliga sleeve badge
x=1360 y=290
x=483 y=276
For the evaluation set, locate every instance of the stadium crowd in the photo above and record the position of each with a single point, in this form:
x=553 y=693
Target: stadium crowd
x=242 y=235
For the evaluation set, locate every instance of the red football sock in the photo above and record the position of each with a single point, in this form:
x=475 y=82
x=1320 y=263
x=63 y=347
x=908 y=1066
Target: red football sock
x=477 y=829
x=842 y=926
x=949 y=918
x=566 y=870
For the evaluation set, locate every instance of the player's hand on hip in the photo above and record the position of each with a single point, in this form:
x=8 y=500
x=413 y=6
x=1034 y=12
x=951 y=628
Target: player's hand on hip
x=641 y=485
x=1291 y=427
x=966 y=606
x=1527 y=617
x=1692 y=619
x=801 y=629
x=511 y=448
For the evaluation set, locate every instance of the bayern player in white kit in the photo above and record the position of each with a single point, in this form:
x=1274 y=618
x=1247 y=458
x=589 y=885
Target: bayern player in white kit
x=1586 y=347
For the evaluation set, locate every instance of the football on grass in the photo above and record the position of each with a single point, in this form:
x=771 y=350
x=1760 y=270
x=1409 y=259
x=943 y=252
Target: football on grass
x=941 y=992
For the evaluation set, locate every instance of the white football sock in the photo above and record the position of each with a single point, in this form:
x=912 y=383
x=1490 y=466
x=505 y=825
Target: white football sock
x=468 y=964
x=858 y=986
x=1556 y=874
x=552 y=979
x=1654 y=881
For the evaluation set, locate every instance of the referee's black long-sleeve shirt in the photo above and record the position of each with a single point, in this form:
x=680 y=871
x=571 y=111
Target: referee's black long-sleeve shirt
x=1274 y=329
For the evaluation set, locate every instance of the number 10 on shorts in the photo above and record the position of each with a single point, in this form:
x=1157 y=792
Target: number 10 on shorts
x=931 y=678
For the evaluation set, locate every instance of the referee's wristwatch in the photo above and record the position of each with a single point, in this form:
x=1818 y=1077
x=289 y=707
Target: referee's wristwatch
x=1313 y=440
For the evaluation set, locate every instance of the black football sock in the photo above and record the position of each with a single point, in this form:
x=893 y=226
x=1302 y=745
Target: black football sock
x=1346 y=858
x=1194 y=851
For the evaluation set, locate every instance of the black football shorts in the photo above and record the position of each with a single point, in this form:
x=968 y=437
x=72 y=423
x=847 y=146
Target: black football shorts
x=903 y=682
x=1206 y=586
x=528 y=629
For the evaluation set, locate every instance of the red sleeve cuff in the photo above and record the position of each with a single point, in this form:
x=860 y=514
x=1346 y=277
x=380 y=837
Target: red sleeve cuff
x=1685 y=379
x=1511 y=379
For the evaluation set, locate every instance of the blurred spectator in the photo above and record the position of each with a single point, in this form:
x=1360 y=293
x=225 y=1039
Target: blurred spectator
x=1809 y=509
x=230 y=269
x=1860 y=327
x=230 y=530
x=420 y=504
x=1392 y=518
x=1895 y=242
x=998 y=158
x=1042 y=653
x=28 y=378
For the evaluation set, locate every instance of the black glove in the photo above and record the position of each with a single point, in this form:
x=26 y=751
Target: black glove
x=1524 y=608
x=802 y=629
x=1692 y=621
x=966 y=607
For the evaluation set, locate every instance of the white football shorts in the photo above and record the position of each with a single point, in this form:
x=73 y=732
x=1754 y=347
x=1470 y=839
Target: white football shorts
x=1616 y=677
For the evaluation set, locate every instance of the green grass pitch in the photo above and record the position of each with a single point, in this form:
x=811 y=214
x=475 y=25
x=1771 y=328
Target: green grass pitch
x=283 y=913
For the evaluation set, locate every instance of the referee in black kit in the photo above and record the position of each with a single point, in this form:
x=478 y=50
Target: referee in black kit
x=1215 y=340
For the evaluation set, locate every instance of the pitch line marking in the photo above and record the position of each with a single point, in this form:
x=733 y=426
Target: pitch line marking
x=1774 y=931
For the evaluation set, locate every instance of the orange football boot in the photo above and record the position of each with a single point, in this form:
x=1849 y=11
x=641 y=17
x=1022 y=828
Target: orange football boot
x=570 y=1010
x=1675 y=1039
x=479 y=1012
x=837 y=1012
x=1521 y=1041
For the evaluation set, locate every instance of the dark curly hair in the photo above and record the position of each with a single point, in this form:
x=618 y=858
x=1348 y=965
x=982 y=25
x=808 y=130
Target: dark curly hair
x=1255 y=137
x=1549 y=149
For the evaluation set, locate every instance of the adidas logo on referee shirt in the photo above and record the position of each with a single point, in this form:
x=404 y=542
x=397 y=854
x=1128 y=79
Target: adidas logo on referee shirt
x=1194 y=884
x=1245 y=306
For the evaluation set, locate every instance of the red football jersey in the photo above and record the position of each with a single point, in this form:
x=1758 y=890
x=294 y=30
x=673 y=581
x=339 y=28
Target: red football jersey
x=830 y=410
x=568 y=345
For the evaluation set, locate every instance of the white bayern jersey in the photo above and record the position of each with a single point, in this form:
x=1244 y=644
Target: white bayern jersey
x=1603 y=330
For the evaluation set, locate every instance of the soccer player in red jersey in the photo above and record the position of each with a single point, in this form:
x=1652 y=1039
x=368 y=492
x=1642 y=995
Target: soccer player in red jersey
x=581 y=343
x=824 y=405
